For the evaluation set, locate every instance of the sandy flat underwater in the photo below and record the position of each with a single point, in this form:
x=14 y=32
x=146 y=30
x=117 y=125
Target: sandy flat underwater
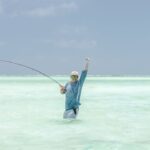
x=114 y=115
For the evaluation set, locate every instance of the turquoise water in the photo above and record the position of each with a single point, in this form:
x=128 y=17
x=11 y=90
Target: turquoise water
x=114 y=115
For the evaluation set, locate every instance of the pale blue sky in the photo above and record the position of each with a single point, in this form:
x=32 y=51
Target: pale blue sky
x=56 y=35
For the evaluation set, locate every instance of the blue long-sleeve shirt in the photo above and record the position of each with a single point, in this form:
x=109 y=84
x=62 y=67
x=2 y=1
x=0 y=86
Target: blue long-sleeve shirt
x=73 y=92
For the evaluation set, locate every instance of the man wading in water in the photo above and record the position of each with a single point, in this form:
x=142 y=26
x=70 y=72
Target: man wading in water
x=72 y=90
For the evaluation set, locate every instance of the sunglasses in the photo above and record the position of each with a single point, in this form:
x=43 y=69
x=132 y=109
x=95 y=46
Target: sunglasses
x=74 y=76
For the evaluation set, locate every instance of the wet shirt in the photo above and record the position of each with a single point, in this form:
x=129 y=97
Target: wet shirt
x=73 y=92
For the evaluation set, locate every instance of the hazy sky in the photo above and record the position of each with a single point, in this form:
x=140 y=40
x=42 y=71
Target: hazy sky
x=56 y=35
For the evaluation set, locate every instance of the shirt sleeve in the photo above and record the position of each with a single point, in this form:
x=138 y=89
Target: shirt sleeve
x=82 y=77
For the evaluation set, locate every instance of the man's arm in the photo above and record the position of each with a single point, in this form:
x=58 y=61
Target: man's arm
x=84 y=72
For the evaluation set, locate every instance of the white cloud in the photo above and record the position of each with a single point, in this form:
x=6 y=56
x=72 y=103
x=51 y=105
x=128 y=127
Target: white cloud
x=41 y=12
x=67 y=29
x=2 y=43
x=68 y=6
x=78 y=44
x=1 y=8
x=51 y=9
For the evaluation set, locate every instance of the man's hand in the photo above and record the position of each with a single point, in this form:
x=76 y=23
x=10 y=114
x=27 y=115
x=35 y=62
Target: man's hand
x=62 y=89
x=87 y=59
x=87 y=63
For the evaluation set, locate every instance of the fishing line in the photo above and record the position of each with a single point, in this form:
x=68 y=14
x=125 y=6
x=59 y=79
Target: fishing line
x=44 y=74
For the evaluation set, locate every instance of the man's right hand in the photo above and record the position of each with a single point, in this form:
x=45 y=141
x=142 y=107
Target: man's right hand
x=62 y=89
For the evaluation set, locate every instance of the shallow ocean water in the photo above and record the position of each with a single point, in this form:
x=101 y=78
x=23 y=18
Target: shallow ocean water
x=114 y=115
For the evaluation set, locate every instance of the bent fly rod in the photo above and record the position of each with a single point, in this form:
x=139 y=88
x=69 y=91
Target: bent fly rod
x=18 y=64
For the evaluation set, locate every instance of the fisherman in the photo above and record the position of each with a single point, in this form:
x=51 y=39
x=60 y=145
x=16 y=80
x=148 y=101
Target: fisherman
x=72 y=90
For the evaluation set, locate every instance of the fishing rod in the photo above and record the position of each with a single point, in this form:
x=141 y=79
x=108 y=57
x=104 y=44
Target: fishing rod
x=18 y=64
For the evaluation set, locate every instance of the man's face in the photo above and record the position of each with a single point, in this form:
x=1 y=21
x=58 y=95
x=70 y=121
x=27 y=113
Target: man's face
x=74 y=78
